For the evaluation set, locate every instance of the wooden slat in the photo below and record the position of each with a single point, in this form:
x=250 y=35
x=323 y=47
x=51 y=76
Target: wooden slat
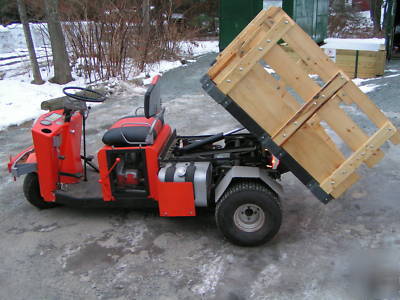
x=310 y=108
x=236 y=46
x=356 y=159
x=257 y=94
x=368 y=107
x=315 y=155
x=292 y=74
x=306 y=87
x=239 y=71
x=345 y=185
x=347 y=129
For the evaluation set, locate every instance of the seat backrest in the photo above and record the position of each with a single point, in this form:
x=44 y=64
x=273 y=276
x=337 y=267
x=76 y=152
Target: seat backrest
x=152 y=98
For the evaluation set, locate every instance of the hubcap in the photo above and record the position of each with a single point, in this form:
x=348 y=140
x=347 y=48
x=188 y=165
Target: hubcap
x=249 y=217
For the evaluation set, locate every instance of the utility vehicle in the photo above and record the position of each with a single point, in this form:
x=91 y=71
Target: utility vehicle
x=144 y=163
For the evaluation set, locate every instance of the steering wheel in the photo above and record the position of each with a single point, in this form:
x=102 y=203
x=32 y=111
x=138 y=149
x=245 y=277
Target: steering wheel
x=97 y=97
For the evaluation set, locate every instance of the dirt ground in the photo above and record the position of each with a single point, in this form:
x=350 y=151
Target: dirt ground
x=343 y=250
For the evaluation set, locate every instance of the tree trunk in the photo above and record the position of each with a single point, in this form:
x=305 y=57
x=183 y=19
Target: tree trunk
x=376 y=12
x=146 y=32
x=146 y=17
x=37 y=77
x=62 y=69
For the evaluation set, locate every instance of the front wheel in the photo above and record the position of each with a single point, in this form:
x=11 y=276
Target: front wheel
x=248 y=214
x=32 y=192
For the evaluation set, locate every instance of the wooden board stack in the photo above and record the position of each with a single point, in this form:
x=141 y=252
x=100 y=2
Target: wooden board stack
x=285 y=110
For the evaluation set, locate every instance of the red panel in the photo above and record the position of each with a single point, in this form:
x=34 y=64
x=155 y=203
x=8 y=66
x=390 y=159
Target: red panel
x=71 y=149
x=104 y=178
x=52 y=157
x=176 y=199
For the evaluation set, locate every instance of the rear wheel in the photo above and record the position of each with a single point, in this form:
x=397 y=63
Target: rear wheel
x=32 y=192
x=248 y=214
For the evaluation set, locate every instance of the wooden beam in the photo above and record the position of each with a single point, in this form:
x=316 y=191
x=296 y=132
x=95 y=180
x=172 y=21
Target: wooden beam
x=357 y=158
x=244 y=65
x=310 y=108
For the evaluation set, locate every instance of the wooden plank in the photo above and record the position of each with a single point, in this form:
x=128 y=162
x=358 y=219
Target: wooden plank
x=259 y=96
x=274 y=92
x=310 y=108
x=309 y=51
x=314 y=154
x=261 y=101
x=351 y=91
x=236 y=46
x=356 y=159
x=292 y=74
x=345 y=185
x=347 y=129
x=239 y=71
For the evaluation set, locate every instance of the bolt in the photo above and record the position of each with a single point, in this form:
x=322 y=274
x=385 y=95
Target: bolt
x=315 y=103
x=268 y=41
x=323 y=96
x=229 y=81
x=284 y=135
x=261 y=49
x=333 y=182
x=295 y=123
x=286 y=22
x=240 y=69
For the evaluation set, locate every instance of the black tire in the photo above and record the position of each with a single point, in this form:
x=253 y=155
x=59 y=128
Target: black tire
x=244 y=200
x=32 y=192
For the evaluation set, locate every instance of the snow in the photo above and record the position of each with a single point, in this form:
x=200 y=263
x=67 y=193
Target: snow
x=200 y=48
x=12 y=37
x=197 y=49
x=20 y=100
x=373 y=44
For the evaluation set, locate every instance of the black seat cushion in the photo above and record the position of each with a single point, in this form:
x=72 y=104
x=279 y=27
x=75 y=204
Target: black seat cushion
x=134 y=134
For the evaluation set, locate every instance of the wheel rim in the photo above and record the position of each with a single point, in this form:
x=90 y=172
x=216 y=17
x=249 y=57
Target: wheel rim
x=249 y=217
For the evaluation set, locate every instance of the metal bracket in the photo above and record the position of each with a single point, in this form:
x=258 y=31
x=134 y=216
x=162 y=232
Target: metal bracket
x=211 y=89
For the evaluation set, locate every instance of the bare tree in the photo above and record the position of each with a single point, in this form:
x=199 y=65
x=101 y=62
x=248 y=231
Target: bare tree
x=62 y=69
x=146 y=17
x=376 y=14
x=37 y=77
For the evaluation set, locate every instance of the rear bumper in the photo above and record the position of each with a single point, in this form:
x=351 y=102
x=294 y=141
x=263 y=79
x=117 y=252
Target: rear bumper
x=22 y=164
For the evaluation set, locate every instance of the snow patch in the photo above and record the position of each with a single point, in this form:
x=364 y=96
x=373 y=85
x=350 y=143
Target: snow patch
x=211 y=273
x=267 y=277
x=20 y=100
x=373 y=44
x=368 y=88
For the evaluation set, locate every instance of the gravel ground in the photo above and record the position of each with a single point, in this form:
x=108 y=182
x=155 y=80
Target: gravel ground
x=67 y=253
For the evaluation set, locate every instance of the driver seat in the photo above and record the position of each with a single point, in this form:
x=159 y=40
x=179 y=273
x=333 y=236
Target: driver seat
x=139 y=130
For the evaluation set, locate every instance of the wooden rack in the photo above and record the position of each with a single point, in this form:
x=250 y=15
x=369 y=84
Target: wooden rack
x=290 y=109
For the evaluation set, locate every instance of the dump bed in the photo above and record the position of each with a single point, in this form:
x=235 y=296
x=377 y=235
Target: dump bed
x=295 y=108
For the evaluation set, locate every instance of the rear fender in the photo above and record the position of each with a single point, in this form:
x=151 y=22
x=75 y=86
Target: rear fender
x=23 y=163
x=247 y=173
